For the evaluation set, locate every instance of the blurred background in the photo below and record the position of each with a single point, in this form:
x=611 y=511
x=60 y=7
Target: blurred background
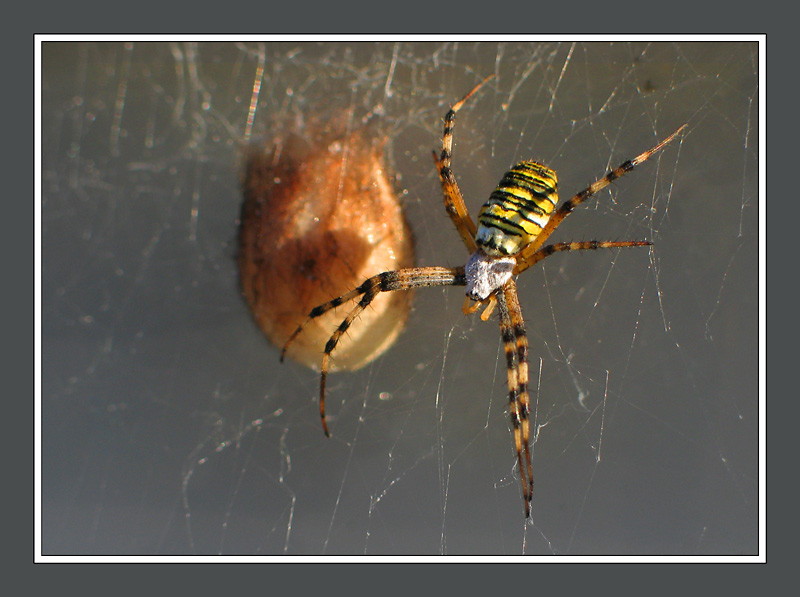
x=170 y=427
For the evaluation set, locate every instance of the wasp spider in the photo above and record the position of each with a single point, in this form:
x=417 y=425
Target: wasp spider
x=513 y=226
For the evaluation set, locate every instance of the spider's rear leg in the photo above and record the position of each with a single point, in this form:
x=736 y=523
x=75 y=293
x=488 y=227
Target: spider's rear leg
x=453 y=200
x=587 y=245
x=567 y=207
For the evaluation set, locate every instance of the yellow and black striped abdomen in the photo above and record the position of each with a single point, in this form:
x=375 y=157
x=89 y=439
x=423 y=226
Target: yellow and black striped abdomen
x=517 y=209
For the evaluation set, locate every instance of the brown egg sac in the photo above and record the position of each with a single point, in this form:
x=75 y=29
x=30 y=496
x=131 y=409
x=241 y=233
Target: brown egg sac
x=316 y=222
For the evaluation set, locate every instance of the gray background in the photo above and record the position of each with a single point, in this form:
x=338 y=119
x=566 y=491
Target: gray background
x=168 y=425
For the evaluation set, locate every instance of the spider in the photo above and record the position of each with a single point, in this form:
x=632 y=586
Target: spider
x=513 y=226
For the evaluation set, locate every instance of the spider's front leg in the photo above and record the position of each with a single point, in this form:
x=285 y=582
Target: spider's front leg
x=403 y=279
x=515 y=346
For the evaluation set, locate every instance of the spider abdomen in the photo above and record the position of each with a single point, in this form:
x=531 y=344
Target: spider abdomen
x=517 y=209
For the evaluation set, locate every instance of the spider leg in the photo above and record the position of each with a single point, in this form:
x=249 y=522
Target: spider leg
x=515 y=345
x=402 y=279
x=366 y=298
x=592 y=245
x=453 y=200
x=567 y=208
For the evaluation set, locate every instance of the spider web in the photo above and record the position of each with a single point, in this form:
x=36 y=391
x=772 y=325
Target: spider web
x=168 y=425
